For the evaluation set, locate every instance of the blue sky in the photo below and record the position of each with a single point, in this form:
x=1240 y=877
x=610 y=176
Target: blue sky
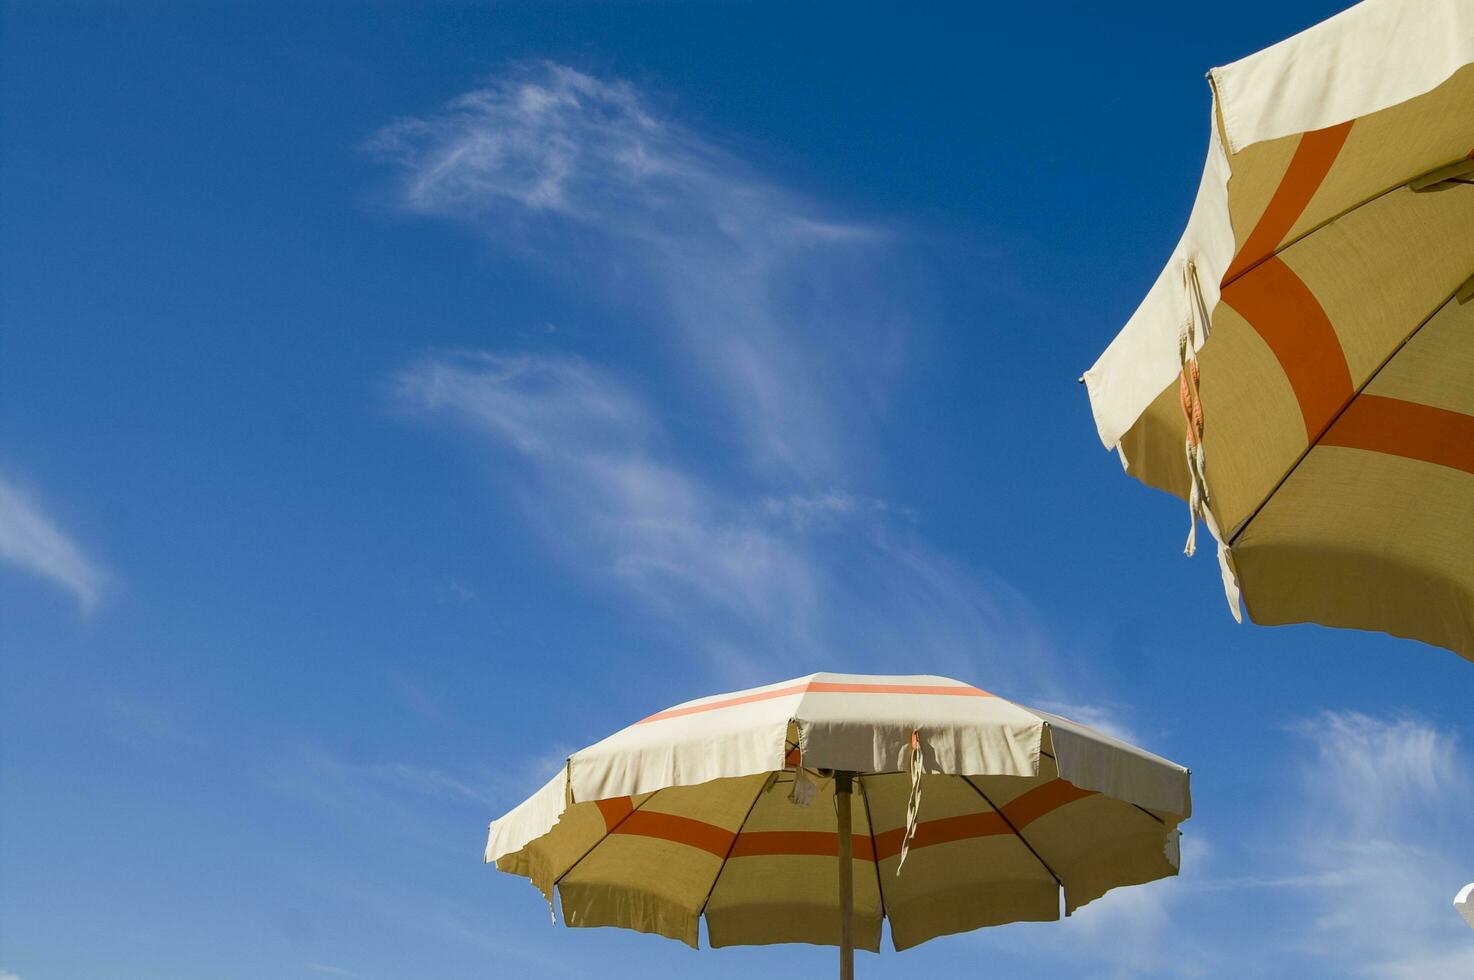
x=396 y=398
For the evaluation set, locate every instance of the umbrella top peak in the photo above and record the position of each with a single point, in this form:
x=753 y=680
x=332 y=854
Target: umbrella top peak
x=795 y=691
x=850 y=723
x=687 y=812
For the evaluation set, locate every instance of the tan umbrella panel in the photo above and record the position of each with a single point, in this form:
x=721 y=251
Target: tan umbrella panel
x=690 y=813
x=1303 y=370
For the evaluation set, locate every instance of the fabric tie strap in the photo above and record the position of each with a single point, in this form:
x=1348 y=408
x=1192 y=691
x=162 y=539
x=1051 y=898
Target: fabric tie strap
x=913 y=801
x=804 y=786
x=1199 y=506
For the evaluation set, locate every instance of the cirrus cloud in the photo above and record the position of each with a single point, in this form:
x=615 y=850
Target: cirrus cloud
x=31 y=541
x=783 y=310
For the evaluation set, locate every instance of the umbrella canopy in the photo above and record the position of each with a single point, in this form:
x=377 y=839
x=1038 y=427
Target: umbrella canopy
x=1301 y=370
x=969 y=810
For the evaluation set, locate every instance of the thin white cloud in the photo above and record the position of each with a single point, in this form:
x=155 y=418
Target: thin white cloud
x=411 y=800
x=1385 y=820
x=792 y=322
x=30 y=540
x=798 y=581
x=453 y=592
x=1102 y=718
x=1135 y=931
x=1140 y=931
x=421 y=779
x=601 y=479
x=424 y=914
x=805 y=511
x=1364 y=840
x=781 y=309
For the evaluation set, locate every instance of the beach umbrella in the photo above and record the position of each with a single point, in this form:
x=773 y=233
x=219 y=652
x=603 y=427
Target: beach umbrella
x=810 y=810
x=1302 y=372
x=1464 y=904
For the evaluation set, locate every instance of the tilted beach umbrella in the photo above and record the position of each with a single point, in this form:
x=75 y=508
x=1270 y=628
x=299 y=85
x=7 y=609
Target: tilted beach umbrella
x=1302 y=372
x=810 y=810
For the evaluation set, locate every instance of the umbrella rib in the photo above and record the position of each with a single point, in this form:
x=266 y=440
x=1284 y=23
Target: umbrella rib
x=998 y=810
x=1150 y=814
x=870 y=823
x=1050 y=755
x=1322 y=224
x=772 y=777
x=1244 y=525
x=607 y=834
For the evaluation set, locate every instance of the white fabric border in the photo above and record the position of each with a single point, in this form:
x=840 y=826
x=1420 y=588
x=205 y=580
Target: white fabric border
x=1370 y=57
x=1143 y=359
x=528 y=820
x=1093 y=760
x=863 y=732
x=1373 y=56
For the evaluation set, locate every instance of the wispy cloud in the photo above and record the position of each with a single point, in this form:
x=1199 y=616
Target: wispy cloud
x=1366 y=847
x=1364 y=842
x=1103 y=718
x=426 y=915
x=595 y=450
x=329 y=969
x=790 y=323
x=312 y=771
x=453 y=592
x=1134 y=932
x=430 y=782
x=1385 y=821
x=805 y=579
x=780 y=307
x=29 y=539
x=824 y=509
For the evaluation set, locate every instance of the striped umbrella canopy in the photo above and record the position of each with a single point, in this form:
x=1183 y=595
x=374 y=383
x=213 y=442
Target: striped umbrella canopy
x=1301 y=371
x=810 y=810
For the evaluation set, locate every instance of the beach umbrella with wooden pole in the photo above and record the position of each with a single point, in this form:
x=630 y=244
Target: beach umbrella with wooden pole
x=810 y=810
x=1302 y=372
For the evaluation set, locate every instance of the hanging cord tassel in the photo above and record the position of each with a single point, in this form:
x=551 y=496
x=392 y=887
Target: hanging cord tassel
x=804 y=786
x=1190 y=395
x=1192 y=411
x=1191 y=400
x=913 y=801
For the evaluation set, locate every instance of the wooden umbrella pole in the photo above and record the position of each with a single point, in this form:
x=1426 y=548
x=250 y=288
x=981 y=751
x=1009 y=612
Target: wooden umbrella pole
x=843 y=782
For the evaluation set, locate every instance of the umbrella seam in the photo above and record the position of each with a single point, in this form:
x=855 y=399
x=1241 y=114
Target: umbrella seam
x=1150 y=814
x=1244 y=524
x=870 y=823
x=701 y=912
x=607 y=834
x=1023 y=840
x=1318 y=226
x=1137 y=805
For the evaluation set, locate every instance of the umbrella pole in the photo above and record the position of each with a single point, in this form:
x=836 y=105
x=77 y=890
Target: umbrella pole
x=843 y=782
